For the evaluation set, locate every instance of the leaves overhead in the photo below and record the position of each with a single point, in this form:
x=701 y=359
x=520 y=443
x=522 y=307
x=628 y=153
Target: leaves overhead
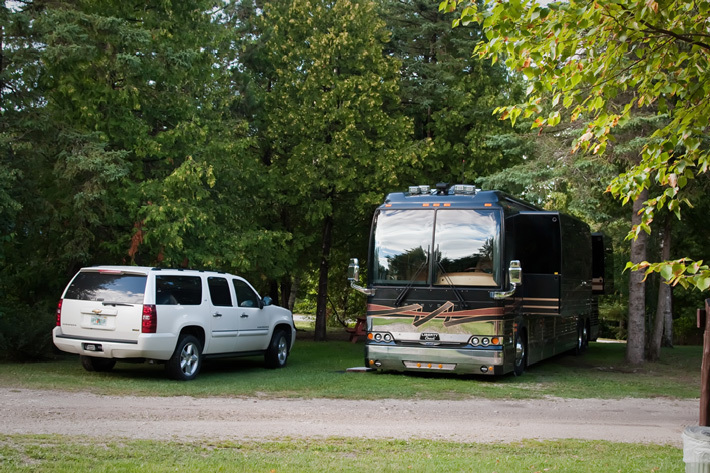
x=602 y=61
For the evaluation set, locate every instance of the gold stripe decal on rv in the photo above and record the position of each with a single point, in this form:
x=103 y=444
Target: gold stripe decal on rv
x=443 y=311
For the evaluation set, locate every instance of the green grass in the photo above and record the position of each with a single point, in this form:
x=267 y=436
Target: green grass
x=319 y=370
x=20 y=453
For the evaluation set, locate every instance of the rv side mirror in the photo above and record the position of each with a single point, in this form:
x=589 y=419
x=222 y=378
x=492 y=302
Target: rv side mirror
x=353 y=270
x=515 y=278
x=354 y=275
x=515 y=272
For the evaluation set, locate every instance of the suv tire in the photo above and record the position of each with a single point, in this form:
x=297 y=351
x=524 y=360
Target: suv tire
x=91 y=363
x=277 y=353
x=186 y=361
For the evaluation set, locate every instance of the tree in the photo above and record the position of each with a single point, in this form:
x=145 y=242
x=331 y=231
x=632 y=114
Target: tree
x=116 y=138
x=329 y=131
x=450 y=95
x=603 y=61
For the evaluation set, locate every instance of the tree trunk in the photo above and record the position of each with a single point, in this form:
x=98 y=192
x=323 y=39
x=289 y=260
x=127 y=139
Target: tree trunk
x=664 y=291
x=321 y=316
x=667 y=340
x=636 y=338
x=295 y=286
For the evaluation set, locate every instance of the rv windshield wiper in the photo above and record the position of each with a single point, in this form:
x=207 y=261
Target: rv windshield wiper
x=459 y=297
x=117 y=303
x=404 y=292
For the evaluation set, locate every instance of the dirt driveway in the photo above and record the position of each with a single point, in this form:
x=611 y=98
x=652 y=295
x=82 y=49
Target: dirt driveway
x=657 y=421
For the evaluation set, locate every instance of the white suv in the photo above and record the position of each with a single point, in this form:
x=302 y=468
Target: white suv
x=168 y=315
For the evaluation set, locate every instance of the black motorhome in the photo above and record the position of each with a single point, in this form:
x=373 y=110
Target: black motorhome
x=477 y=282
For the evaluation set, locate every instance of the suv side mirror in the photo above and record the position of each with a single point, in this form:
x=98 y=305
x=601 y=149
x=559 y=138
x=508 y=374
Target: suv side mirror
x=266 y=301
x=354 y=270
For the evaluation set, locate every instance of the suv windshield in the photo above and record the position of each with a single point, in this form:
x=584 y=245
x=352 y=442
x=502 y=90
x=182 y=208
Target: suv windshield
x=119 y=288
x=466 y=244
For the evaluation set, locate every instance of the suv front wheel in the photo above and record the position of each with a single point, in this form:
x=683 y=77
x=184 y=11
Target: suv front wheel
x=277 y=353
x=186 y=361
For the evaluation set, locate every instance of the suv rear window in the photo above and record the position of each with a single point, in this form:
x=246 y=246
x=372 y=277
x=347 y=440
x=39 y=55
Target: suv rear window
x=121 y=288
x=173 y=290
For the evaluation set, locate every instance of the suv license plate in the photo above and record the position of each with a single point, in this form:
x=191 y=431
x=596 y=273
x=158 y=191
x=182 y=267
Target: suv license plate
x=98 y=320
x=93 y=347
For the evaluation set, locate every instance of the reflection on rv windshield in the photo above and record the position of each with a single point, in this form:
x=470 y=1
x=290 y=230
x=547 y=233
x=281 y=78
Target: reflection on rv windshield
x=466 y=247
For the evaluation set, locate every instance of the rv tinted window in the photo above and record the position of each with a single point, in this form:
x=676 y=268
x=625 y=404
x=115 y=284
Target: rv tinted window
x=173 y=290
x=95 y=286
x=537 y=242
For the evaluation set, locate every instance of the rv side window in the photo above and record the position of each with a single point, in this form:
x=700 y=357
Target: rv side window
x=537 y=242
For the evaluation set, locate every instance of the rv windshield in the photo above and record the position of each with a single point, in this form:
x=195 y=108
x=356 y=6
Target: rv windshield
x=401 y=246
x=466 y=247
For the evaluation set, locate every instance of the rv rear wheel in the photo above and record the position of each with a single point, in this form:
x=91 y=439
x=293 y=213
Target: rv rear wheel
x=582 y=339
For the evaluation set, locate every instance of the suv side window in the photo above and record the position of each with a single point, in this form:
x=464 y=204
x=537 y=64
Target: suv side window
x=246 y=297
x=174 y=290
x=219 y=292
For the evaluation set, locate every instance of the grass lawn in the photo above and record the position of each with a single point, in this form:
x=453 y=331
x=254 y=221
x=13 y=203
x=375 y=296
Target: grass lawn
x=64 y=454
x=319 y=370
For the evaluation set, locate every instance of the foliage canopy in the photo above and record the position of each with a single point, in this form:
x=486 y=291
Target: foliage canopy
x=601 y=61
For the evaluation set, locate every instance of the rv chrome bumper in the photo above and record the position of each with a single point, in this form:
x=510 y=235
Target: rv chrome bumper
x=487 y=361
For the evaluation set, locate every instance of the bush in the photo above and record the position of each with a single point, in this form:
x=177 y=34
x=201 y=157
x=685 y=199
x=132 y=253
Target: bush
x=612 y=319
x=26 y=332
x=686 y=331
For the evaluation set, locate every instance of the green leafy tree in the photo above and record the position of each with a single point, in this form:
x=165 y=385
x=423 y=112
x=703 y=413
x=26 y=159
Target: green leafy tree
x=450 y=95
x=116 y=136
x=604 y=61
x=330 y=132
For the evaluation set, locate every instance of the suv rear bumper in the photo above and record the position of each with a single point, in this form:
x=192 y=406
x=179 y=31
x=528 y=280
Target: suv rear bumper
x=158 y=346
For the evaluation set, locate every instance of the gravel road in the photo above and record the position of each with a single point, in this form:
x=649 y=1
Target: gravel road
x=654 y=421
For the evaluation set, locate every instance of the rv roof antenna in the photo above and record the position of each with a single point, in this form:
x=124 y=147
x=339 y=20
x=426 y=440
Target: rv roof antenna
x=442 y=187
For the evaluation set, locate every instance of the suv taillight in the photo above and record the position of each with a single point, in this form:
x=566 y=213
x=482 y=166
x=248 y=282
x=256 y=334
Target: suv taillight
x=150 y=319
x=59 y=313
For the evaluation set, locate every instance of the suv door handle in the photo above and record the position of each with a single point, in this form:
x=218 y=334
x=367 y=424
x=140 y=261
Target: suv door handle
x=245 y=315
x=216 y=314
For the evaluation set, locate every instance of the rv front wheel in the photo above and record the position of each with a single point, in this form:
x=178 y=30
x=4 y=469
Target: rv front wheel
x=521 y=353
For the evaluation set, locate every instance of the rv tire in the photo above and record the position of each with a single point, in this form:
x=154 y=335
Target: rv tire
x=521 y=353
x=582 y=338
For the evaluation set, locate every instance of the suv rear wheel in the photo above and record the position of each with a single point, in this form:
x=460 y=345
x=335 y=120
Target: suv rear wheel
x=186 y=361
x=91 y=363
